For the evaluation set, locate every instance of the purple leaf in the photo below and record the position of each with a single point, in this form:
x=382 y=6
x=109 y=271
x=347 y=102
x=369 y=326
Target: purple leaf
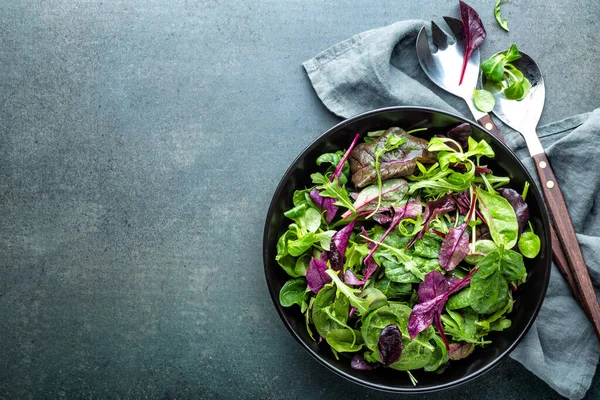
x=340 y=166
x=359 y=363
x=454 y=247
x=390 y=344
x=425 y=312
x=324 y=257
x=382 y=218
x=456 y=242
x=518 y=204
x=458 y=351
x=433 y=209
x=461 y=134
x=316 y=277
x=337 y=248
x=410 y=209
x=326 y=204
x=351 y=279
x=392 y=164
x=370 y=264
x=473 y=31
x=463 y=202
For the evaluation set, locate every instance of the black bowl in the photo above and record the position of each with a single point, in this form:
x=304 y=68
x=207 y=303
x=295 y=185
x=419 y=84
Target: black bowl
x=528 y=298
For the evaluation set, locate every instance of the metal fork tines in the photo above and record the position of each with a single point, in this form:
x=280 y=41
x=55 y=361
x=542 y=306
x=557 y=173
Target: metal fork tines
x=443 y=65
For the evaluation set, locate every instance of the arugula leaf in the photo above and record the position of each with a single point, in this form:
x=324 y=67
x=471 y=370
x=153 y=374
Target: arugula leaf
x=503 y=22
x=484 y=100
x=334 y=190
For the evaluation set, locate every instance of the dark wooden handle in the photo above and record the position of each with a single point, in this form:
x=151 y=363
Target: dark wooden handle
x=489 y=124
x=563 y=266
x=566 y=235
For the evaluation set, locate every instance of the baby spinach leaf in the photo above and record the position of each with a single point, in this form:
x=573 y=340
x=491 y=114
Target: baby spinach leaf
x=489 y=288
x=484 y=100
x=503 y=22
x=428 y=246
x=473 y=31
x=459 y=300
x=462 y=326
x=324 y=303
x=439 y=356
x=316 y=275
x=529 y=243
x=518 y=204
x=513 y=267
x=395 y=163
x=390 y=344
x=482 y=248
x=344 y=340
x=500 y=218
x=392 y=290
x=292 y=292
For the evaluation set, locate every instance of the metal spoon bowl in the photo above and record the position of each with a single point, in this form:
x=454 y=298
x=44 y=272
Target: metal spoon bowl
x=524 y=115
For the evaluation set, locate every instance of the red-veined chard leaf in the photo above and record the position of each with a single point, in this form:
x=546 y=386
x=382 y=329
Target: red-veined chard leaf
x=473 y=31
x=351 y=279
x=433 y=295
x=401 y=161
x=390 y=344
x=458 y=351
x=316 y=277
x=392 y=191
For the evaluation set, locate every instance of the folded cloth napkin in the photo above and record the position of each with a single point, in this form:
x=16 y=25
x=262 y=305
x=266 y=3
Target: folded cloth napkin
x=379 y=68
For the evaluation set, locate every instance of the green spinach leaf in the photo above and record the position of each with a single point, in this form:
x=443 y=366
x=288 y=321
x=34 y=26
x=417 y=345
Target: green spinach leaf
x=500 y=218
x=293 y=292
x=489 y=288
x=344 y=340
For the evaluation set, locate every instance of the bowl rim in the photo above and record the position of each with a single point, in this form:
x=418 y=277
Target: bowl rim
x=365 y=383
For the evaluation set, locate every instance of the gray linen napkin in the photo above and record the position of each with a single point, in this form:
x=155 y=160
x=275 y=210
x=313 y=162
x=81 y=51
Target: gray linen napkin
x=379 y=68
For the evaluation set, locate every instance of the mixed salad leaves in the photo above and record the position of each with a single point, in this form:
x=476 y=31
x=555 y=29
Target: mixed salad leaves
x=405 y=252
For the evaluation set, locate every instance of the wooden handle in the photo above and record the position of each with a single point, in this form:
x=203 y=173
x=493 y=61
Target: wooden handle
x=563 y=266
x=566 y=235
x=489 y=124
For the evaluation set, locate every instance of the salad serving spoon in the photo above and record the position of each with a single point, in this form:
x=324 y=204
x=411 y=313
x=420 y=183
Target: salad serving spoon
x=523 y=116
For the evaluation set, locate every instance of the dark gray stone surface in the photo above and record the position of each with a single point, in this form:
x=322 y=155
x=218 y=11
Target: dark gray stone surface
x=140 y=142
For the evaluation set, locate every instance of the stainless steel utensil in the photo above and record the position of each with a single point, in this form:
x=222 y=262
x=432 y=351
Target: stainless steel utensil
x=523 y=116
x=444 y=66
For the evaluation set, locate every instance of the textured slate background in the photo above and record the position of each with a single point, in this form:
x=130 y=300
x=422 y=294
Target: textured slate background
x=140 y=142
